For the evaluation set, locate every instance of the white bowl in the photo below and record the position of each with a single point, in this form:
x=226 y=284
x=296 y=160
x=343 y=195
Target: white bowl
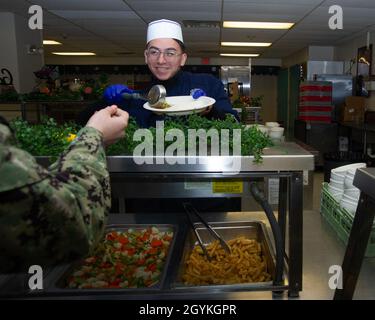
x=349 y=198
x=337 y=196
x=349 y=166
x=338 y=176
x=352 y=192
x=262 y=128
x=276 y=132
x=350 y=206
x=350 y=173
x=348 y=183
x=337 y=184
x=335 y=192
x=272 y=124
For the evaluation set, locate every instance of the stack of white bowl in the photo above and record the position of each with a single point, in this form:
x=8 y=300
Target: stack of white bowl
x=274 y=130
x=260 y=127
x=341 y=186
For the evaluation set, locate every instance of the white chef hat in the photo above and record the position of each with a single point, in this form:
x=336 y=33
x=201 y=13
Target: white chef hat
x=164 y=29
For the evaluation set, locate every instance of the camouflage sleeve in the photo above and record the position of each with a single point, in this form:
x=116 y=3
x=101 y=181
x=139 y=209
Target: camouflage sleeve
x=55 y=215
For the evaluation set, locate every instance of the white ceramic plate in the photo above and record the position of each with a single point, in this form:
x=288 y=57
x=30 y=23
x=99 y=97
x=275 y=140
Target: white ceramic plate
x=182 y=105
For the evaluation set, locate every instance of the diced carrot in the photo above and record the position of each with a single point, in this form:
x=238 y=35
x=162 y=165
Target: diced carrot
x=151 y=267
x=152 y=251
x=156 y=243
x=131 y=251
x=123 y=240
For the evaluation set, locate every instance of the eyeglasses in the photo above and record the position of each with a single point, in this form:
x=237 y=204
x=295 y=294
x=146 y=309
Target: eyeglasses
x=169 y=55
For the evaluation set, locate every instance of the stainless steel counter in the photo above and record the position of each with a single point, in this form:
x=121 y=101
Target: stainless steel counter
x=286 y=161
x=287 y=156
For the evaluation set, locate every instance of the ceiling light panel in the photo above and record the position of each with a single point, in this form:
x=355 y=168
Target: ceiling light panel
x=257 y=25
x=80 y=5
x=74 y=53
x=51 y=42
x=90 y=14
x=239 y=54
x=246 y=44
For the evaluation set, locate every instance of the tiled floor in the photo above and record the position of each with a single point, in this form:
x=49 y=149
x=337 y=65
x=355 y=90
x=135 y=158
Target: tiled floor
x=322 y=249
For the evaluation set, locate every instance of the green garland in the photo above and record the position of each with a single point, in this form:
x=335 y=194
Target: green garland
x=50 y=139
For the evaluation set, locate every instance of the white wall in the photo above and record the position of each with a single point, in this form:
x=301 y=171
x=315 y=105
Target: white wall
x=15 y=35
x=314 y=53
x=8 y=52
x=266 y=85
x=296 y=58
x=27 y=63
x=321 y=53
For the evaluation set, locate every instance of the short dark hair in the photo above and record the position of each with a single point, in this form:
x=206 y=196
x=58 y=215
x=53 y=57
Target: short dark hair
x=180 y=43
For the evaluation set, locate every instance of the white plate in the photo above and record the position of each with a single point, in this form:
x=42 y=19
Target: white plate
x=182 y=105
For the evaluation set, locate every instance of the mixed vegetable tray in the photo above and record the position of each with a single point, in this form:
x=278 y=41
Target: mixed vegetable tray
x=129 y=257
x=137 y=257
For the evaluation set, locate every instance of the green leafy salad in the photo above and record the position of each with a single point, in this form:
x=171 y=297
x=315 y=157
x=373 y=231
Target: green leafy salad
x=50 y=139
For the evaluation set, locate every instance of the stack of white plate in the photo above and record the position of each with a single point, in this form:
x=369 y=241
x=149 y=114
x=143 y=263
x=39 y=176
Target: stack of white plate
x=341 y=186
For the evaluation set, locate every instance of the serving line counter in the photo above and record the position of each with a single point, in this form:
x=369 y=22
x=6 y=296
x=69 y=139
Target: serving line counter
x=286 y=161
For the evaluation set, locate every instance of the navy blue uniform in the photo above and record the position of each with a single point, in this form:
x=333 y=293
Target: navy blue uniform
x=179 y=85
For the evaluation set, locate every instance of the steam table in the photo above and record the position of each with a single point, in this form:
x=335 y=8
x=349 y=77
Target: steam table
x=286 y=161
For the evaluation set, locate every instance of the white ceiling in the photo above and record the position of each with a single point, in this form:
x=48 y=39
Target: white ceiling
x=112 y=28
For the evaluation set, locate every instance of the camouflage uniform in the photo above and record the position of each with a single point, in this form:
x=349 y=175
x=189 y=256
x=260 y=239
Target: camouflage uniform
x=55 y=215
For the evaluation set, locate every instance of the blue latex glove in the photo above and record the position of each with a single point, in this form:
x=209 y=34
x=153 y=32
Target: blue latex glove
x=196 y=93
x=113 y=94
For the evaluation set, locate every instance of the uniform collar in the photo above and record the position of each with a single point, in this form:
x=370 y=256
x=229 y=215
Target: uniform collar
x=170 y=82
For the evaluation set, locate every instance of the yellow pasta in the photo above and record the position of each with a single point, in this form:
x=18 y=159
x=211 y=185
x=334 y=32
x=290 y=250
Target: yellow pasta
x=244 y=264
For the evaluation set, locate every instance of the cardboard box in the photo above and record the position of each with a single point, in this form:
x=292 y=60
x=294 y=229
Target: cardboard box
x=233 y=91
x=353 y=110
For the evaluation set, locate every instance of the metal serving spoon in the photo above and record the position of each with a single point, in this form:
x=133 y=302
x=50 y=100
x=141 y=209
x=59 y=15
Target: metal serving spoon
x=155 y=96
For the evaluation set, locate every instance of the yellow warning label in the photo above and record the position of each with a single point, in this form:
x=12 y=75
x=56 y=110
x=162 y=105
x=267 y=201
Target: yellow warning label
x=227 y=186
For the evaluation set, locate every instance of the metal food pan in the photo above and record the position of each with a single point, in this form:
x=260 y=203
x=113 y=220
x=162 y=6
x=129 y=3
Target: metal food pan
x=229 y=230
x=60 y=284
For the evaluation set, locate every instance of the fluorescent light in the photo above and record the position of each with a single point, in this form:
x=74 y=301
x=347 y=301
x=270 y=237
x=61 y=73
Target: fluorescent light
x=239 y=54
x=246 y=44
x=74 y=53
x=51 y=42
x=257 y=25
